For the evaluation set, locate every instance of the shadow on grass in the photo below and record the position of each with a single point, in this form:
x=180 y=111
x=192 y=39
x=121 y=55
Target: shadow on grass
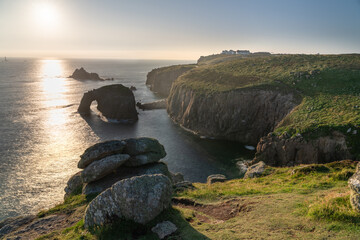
x=128 y=230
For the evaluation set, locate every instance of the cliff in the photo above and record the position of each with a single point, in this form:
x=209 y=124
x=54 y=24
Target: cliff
x=243 y=115
x=244 y=99
x=160 y=79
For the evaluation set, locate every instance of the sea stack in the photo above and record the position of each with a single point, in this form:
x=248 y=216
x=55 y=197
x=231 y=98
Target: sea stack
x=82 y=74
x=114 y=102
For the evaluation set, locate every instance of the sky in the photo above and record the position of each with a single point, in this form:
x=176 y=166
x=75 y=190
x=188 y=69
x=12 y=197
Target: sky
x=169 y=29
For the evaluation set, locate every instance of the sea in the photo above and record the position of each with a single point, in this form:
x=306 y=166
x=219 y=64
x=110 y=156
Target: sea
x=42 y=135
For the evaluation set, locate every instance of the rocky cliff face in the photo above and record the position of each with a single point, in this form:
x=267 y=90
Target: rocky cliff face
x=160 y=79
x=288 y=151
x=243 y=115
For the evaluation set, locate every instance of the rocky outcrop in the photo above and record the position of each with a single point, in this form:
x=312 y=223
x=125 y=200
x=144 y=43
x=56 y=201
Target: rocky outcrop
x=160 y=104
x=288 y=151
x=139 y=199
x=100 y=150
x=160 y=79
x=103 y=167
x=108 y=162
x=243 y=115
x=164 y=229
x=82 y=74
x=123 y=172
x=143 y=151
x=74 y=185
x=215 y=178
x=354 y=184
x=255 y=170
x=114 y=102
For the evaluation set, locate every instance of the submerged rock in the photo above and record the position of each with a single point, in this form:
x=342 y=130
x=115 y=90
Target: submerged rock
x=82 y=74
x=139 y=199
x=164 y=229
x=103 y=167
x=160 y=104
x=100 y=150
x=114 y=102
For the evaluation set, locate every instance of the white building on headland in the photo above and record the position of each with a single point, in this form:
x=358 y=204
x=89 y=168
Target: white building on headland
x=240 y=52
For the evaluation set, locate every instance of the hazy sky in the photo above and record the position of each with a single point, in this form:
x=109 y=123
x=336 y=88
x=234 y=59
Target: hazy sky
x=169 y=29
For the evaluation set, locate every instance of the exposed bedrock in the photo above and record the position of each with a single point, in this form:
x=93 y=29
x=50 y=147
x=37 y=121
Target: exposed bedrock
x=288 y=151
x=160 y=79
x=114 y=102
x=243 y=115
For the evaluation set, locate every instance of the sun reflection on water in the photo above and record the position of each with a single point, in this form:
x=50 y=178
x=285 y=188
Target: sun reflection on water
x=53 y=83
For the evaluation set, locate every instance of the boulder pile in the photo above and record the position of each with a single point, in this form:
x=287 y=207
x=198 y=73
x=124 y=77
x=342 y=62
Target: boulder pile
x=130 y=181
x=108 y=162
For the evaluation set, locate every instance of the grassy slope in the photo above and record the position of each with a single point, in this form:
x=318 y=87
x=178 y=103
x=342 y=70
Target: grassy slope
x=313 y=203
x=330 y=99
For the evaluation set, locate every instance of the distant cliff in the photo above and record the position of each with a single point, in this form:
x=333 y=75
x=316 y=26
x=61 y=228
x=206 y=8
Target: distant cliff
x=160 y=79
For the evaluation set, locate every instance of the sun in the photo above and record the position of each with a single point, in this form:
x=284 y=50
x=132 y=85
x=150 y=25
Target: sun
x=46 y=15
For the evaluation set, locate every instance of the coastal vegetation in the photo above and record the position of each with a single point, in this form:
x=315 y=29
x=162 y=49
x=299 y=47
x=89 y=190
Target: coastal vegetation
x=308 y=201
x=326 y=86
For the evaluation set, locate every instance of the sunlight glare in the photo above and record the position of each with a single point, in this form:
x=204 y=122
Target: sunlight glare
x=46 y=15
x=53 y=83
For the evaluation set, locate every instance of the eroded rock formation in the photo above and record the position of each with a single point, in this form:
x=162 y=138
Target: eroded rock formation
x=139 y=199
x=114 y=102
x=241 y=115
x=288 y=151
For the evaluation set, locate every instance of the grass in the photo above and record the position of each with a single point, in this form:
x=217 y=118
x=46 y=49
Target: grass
x=69 y=204
x=329 y=100
x=303 y=202
x=279 y=180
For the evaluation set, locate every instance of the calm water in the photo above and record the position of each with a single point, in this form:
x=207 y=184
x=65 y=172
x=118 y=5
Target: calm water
x=42 y=135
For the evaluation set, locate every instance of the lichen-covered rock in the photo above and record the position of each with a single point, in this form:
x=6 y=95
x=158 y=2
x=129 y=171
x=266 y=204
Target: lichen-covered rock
x=123 y=173
x=99 y=151
x=139 y=199
x=74 y=184
x=355 y=200
x=216 y=178
x=143 y=159
x=255 y=170
x=164 y=229
x=137 y=146
x=143 y=150
x=354 y=184
x=103 y=167
x=354 y=181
